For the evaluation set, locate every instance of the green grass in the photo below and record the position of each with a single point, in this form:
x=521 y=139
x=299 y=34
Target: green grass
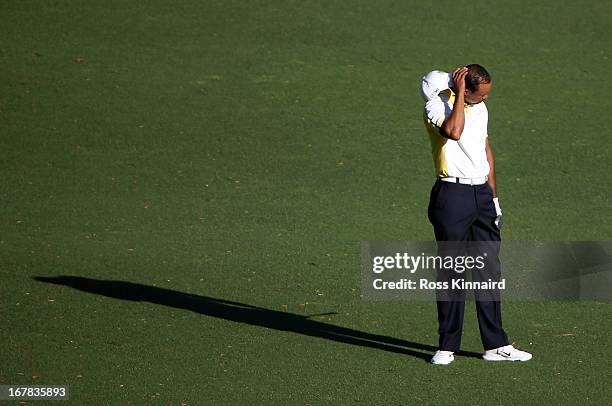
x=241 y=151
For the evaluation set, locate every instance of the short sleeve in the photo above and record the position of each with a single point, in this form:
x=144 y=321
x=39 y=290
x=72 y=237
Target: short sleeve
x=435 y=111
x=432 y=84
x=485 y=118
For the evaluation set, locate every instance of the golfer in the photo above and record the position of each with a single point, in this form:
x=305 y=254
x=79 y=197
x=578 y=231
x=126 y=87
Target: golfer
x=463 y=205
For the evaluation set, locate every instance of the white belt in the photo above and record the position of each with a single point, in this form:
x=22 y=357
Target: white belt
x=466 y=181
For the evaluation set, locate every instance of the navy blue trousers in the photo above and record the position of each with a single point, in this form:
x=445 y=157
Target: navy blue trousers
x=466 y=213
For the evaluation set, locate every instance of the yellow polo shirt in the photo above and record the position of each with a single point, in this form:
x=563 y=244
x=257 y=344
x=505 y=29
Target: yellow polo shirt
x=467 y=157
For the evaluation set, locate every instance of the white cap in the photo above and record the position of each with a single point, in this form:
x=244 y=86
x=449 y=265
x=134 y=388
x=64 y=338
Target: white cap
x=435 y=82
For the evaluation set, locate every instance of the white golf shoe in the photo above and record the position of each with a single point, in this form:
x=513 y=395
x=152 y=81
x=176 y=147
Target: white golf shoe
x=506 y=353
x=442 y=357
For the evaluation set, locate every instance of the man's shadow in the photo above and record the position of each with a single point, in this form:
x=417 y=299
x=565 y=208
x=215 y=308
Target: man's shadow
x=245 y=313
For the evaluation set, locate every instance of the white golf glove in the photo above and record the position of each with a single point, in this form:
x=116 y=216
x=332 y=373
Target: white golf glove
x=498 y=219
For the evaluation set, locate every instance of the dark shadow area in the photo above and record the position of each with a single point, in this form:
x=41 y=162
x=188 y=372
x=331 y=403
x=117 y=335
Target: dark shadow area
x=245 y=313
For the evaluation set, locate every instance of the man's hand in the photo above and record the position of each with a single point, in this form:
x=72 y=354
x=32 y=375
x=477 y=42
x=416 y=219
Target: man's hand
x=498 y=220
x=452 y=127
x=459 y=79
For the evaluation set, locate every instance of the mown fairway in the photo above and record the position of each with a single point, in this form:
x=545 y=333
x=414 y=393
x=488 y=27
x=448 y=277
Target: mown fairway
x=221 y=163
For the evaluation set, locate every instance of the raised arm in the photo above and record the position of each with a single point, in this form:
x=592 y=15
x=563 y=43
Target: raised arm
x=452 y=127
